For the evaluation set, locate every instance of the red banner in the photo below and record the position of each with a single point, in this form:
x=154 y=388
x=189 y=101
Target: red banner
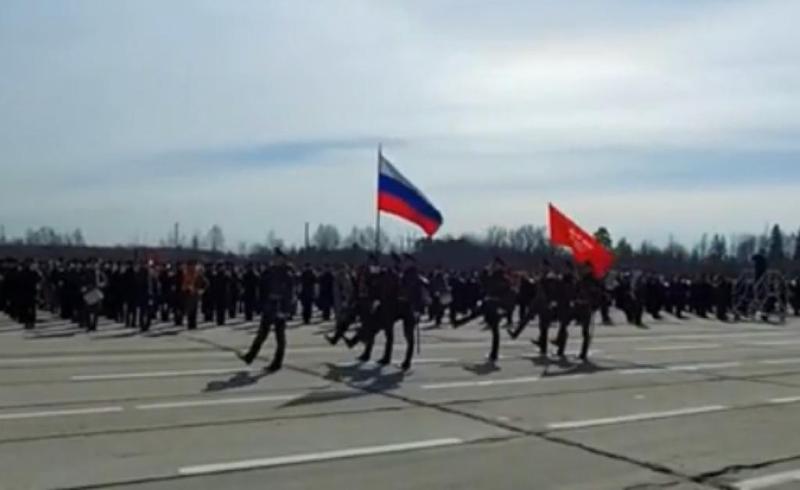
x=585 y=248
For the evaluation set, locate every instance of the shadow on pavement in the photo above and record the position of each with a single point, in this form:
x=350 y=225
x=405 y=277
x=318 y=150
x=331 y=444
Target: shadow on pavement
x=238 y=380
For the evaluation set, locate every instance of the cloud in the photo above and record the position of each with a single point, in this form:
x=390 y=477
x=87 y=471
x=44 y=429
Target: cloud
x=124 y=117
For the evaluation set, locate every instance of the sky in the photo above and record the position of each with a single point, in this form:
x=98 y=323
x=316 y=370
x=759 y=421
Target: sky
x=652 y=118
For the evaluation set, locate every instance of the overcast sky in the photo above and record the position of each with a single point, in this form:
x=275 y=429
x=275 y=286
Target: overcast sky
x=651 y=117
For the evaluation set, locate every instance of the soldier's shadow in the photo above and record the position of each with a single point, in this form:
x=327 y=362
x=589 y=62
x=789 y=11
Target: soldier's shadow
x=238 y=380
x=362 y=381
x=568 y=368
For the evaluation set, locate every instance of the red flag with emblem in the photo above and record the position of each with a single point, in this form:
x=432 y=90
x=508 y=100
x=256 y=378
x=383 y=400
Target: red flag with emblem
x=585 y=248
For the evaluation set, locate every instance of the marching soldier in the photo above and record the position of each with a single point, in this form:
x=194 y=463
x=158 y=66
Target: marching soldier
x=384 y=311
x=277 y=286
x=409 y=304
x=583 y=297
x=249 y=291
x=308 y=284
x=497 y=288
x=325 y=297
x=27 y=282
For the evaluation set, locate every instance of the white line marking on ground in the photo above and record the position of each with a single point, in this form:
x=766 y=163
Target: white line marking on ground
x=314 y=457
x=698 y=367
x=499 y=382
x=768 y=480
x=109 y=358
x=642 y=371
x=773 y=343
x=156 y=374
x=679 y=347
x=578 y=424
x=782 y=401
x=59 y=413
x=488 y=382
x=780 y=362
x=221 y=401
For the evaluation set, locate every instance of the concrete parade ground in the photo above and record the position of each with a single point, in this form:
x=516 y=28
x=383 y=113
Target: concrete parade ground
x=689 y=404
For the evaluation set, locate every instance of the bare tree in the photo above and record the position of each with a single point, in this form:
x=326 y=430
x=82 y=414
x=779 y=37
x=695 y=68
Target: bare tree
x=273 y=241
x=497 y=237
x=746 y=248
x=216 y=239
x=326 y=237
x=77 y=238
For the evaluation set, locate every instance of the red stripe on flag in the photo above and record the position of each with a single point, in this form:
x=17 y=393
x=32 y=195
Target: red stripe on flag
x=393 y=205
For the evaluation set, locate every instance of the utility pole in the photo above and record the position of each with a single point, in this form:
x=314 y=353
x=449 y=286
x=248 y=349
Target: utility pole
x=307 y=237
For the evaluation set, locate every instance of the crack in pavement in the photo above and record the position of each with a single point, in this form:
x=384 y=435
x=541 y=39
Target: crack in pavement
x=732 y=470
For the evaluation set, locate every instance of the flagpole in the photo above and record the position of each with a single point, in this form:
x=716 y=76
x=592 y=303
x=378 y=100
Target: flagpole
x=378 y=208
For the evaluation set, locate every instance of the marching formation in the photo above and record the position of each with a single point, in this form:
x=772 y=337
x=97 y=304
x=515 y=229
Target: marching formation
x=363 y=302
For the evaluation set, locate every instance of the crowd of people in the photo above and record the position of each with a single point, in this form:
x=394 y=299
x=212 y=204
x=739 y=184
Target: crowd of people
x=368 y=299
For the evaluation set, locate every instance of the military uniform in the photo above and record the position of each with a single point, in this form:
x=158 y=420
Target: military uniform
x=277 y=290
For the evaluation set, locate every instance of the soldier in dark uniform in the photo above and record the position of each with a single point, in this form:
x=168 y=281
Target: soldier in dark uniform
x=130 y=293
x=234 y=289
x=385 y=312
x=219 y=290
x=207 y=305
x=27 y=283
x=177 y=300
x=146 y=291
x=723 y=297
x=525 y=296
x=497 y=291
x=440 y=296
x=409 y=305
x=249 y=291
x=308 y=284
x=277 y=286
x=325 y=298
x=166 y=284
x=584 y=297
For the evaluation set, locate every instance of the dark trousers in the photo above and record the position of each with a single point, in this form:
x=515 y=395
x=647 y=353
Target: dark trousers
x=249 y=308
x=130 y=313
x=178 y=307
x=546 y=316
x=404 y=313
x=270 y=318
x=583 y=316
x=27 y=314
x=492 y=316
x=325 y=305
x=220 y=309
x=90 y=317
x=190 y=308
x=382 y=321
x=308 y=306
x=145 y=315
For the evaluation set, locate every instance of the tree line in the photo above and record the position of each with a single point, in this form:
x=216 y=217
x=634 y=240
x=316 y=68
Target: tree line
x=521 y=245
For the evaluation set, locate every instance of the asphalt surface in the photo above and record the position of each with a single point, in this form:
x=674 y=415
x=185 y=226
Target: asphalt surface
x=687 y=404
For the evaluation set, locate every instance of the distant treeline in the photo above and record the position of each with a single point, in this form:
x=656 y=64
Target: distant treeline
x=524 y=247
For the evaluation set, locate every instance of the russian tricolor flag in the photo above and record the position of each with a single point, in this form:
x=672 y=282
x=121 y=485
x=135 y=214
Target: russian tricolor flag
x=398 y=196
